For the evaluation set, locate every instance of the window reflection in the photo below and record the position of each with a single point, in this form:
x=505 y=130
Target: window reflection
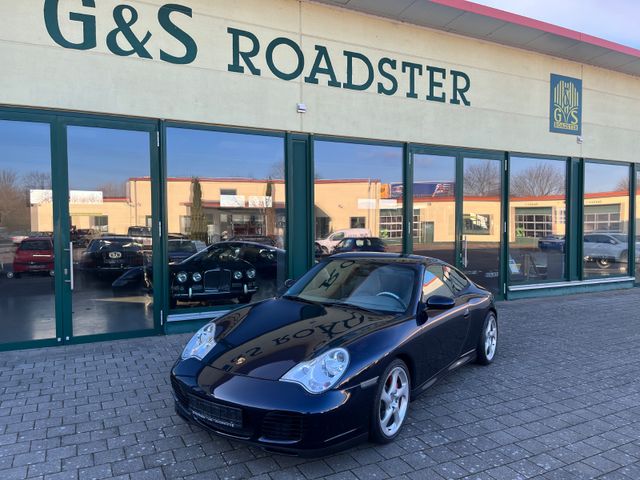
x=434 y=204
x=482 y=214
x=358 y=194
x=606 y=220
x=226 y=204
x=537 y=225
x=27 y=290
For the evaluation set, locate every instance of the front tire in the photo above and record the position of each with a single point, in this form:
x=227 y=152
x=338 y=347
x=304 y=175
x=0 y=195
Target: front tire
x=391 y=403
x=488 y=342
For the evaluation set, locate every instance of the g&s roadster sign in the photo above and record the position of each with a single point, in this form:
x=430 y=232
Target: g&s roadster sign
x=250 y=55
x=565 y=105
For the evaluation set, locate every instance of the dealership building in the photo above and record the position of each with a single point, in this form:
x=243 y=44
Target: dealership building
x=136 y=134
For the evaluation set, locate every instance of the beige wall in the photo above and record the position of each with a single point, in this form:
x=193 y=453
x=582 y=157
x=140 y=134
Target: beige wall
x=509 y=94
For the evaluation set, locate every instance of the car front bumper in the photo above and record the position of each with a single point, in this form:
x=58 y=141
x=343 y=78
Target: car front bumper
x=277 y=416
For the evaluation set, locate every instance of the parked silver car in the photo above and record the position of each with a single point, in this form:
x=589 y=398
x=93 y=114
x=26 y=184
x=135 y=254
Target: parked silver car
x=605 y=249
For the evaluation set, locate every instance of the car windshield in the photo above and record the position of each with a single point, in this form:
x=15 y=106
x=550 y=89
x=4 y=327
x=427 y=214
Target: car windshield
x=35 y=245
x=186 y=246
x=124 y=243
x=621 y=238
x=364 y=283
x=216 y=253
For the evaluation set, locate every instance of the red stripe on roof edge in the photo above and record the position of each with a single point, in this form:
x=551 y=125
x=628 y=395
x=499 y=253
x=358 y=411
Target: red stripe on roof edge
x=545 y=27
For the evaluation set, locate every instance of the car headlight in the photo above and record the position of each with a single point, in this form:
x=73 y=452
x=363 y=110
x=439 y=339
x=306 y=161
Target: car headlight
x=196 y=277
x=182 y=277
x=237 y=274
x=201 y=343
x=321 y=373
x=251 y=273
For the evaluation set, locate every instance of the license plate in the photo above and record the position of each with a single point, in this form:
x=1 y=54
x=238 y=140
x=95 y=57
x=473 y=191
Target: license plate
x=215 y=413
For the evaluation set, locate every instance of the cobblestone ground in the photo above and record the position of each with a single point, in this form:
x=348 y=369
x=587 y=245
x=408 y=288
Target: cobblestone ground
x=562 y=400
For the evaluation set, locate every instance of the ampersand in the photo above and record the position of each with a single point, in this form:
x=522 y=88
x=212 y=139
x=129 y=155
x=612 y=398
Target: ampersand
x=124 y=27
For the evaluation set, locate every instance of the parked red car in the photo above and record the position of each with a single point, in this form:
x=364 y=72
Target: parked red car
x=34 y=255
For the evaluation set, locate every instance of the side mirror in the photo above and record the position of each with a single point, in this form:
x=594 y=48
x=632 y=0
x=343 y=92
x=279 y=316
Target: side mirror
x=440 y=302
x=288 y=283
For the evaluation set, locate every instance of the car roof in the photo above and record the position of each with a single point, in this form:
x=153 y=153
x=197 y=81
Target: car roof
x=37 y=239
x=389 y=257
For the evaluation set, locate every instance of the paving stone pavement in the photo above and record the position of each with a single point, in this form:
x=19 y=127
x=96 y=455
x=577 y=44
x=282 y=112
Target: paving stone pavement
x=561 y=401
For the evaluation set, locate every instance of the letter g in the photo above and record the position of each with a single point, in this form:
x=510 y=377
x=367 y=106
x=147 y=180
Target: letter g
x=88 y=25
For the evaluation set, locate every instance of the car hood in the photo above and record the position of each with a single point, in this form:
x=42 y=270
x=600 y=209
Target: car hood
x=267 y=339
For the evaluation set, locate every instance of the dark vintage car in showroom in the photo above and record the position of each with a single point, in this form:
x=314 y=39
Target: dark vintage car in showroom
x=338 y=357
x=109 y=256
x=221 y=271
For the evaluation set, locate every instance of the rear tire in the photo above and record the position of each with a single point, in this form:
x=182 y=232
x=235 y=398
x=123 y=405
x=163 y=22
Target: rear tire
x=391 y=403
x=488 y=341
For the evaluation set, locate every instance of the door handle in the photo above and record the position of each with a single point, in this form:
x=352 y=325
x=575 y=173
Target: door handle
x=70 y=280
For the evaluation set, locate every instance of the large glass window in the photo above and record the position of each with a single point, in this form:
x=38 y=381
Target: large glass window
x=27 y=290
x=537 y=206
x=226 y=202
x=434 y=203
x=606 y=220
x=358 y=193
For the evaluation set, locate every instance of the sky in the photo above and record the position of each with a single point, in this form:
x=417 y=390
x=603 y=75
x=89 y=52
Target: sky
x=614 y=20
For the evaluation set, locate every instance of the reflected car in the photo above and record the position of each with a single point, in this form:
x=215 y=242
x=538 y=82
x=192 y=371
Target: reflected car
x=552 y=242
x=216 y=273
x=141 y=235
x=83 y=236
x=263 y=257
x=179 y=250
x=338 y=357
x=109 y=256
x=34 y=255
x=364 y=244
x=606 y=249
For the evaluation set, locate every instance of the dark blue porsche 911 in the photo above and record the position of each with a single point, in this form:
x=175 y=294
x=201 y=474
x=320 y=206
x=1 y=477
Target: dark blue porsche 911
x=338 y=357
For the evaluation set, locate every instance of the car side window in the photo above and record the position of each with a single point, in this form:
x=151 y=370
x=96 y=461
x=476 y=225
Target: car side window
x=337 y=236
x=433 y=283
x=454 y=279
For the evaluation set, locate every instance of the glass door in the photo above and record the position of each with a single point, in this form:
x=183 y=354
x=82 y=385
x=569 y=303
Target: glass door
x=110 y=242
x=457 y=211
x=27 y=261
x=481 y=233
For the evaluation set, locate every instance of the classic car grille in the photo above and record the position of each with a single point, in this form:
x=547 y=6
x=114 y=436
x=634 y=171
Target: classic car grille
x=217 y=280
x=282 y=426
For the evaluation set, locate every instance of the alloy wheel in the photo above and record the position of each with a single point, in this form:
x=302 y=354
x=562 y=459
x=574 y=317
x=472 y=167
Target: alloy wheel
x=490 y=338
x=394 y=401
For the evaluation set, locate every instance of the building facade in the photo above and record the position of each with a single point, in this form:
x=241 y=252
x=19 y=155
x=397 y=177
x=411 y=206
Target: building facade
x=135 y=135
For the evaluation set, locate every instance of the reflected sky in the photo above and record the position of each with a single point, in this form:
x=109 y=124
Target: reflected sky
x=206 y=153
x=339 y=160
x=25 y=147
x=434 y=168
x=100 y=156
x=602 y=177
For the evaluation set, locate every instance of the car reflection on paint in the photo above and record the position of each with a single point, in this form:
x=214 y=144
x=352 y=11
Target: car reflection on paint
x=338 y=357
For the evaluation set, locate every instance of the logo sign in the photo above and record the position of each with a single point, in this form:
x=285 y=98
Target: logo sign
x=115 y=255
x=565 y=114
